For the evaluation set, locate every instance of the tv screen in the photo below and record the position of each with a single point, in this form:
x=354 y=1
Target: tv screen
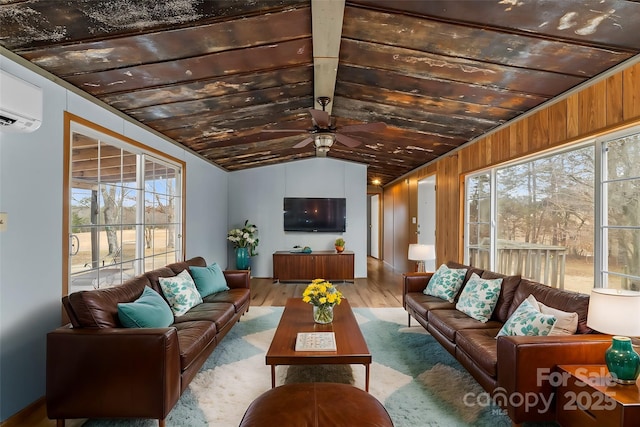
x=315 y=214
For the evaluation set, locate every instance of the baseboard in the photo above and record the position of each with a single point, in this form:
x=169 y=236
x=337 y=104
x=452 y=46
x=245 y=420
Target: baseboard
x=32 y=415
x=35 y=415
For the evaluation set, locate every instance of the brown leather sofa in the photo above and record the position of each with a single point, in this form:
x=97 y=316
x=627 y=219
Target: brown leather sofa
x=509 y=367
x=96 y=368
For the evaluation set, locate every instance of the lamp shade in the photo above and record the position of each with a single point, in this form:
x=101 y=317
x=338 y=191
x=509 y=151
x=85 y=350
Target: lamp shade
x=614 y=312
x=421 y=252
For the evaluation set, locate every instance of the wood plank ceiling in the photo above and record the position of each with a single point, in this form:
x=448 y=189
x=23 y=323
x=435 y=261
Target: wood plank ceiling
x=211 y=75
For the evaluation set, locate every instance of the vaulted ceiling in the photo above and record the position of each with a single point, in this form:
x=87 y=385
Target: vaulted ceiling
x=213 y=75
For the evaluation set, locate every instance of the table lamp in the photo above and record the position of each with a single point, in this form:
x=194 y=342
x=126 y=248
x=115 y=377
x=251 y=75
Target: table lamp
x=421 y=253
x=617 y=312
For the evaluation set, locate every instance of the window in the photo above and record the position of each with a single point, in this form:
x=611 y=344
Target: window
x=621 y=213
x=542 y=223
x=124 y=210
x=539 y=217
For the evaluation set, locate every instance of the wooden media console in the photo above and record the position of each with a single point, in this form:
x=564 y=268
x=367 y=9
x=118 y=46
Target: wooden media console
x=328 y=265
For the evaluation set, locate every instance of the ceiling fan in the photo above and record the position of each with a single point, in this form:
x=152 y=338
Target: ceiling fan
x=324 y=133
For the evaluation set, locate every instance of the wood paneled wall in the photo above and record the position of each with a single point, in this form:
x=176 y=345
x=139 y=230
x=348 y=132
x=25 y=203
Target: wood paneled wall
x=607 y=105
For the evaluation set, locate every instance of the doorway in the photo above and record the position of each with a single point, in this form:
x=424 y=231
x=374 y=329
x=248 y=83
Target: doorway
x=427 y=215
x=373 y=235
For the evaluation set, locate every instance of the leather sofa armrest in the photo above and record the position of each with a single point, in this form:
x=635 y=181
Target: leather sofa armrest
x=526 y=366
x=414 y=282
x=102 y=372
x=238 y=278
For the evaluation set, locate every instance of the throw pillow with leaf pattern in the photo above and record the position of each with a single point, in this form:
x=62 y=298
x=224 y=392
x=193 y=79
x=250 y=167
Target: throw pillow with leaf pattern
x=479 y=297
x=528 y=321
x=446 y=282
x=181 y=292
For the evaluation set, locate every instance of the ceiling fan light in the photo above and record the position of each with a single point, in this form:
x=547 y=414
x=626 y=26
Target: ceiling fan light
x=324 y=140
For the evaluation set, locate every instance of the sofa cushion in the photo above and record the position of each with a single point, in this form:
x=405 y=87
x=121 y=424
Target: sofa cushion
x=99 y=308
x=421 y=303
x=446 y=282
x=551 y=297
x=193 y=339
x=209 y=280
x=239 y=297
x=481 y=346
x=148 y=311
x=219 y=313
x=479 y=297
x=566 y=323
x=507 y=292
x=450 y=321
x=181 y=292
x=528 y=321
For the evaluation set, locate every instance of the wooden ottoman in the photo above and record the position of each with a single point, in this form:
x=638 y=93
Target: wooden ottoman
x=316 y=405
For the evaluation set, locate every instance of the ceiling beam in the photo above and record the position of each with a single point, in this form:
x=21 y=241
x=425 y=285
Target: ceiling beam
x=326 y=27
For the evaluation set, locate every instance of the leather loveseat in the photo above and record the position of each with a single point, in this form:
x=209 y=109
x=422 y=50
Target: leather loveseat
x=96 y=368
x=510 y=368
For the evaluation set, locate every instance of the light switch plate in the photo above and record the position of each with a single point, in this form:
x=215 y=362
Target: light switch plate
x=3 y=221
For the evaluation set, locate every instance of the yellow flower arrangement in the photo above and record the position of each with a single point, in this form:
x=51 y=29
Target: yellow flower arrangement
x=321 y=293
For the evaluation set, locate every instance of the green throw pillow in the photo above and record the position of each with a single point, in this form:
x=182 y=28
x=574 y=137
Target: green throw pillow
x=148 y=311
x=209 y=280
x=479 y=297
x=528 y=321
x=181 y=292
x=445 y=282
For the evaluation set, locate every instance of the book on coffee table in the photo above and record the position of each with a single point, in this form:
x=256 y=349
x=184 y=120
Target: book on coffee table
x=316 y=341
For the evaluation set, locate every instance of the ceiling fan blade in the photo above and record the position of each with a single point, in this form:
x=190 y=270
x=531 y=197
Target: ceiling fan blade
x=347 y=140
x=320 y=117
x=303 y=142
x=365 y=127
x=284 y=130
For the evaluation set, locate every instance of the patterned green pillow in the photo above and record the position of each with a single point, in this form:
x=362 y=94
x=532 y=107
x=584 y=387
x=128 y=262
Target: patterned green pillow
x=528 y=321
x=181 y=292
x=479 y=297
x=446 y=282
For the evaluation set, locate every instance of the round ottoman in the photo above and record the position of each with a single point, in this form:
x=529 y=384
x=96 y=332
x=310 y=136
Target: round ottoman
x=316 y=405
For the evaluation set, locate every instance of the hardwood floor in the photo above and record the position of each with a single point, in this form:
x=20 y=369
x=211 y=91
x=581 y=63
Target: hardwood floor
x=382 y=288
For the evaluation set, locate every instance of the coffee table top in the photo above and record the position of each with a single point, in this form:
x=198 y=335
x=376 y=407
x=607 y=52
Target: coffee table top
x=298 y=317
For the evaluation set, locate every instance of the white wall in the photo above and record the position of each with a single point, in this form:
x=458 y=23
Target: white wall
x=31 y=179
x=257 y=195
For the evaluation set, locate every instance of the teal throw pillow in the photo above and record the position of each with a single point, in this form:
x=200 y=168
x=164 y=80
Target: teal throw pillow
x=479 y=297
x=181 y=292
x=148 y=311
x=446 y=282
x=209 y=280
x=528 y=321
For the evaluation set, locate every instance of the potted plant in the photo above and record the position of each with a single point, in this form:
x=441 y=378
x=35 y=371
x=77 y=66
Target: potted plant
x=339 y=244
x=244 y=242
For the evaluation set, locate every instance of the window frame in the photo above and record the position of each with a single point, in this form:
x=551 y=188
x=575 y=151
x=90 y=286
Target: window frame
x=144 y=154
x=600 y=262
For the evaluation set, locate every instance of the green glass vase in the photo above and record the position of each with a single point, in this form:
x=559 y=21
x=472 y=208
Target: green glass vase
x=242 y=258
x=623 y=362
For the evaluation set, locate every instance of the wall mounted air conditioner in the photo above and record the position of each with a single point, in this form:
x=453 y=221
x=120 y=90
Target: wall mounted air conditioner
x=20 y=104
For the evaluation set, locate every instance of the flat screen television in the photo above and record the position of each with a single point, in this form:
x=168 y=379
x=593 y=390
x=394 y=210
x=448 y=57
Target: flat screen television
x=315 y=214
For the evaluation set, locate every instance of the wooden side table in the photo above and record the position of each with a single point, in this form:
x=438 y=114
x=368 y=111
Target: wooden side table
x=587 y=396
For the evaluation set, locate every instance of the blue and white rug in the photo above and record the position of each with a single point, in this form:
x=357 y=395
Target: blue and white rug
x=418 y=381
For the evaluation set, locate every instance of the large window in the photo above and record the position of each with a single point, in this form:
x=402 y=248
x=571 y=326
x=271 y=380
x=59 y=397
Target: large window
x=560 y=219
x=124 y=210
x=621 y=213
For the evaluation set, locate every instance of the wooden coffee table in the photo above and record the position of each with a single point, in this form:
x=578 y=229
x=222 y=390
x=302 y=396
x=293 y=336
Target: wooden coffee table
x=298 y=317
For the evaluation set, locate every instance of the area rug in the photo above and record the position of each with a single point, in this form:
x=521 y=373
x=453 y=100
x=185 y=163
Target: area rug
x=419 y=382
